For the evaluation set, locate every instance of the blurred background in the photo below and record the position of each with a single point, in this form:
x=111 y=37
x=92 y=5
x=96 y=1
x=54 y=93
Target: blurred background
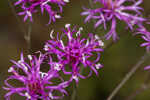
x=118 y=59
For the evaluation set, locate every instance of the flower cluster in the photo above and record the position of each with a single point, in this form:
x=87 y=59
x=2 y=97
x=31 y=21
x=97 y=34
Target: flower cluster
x=30 y=6
x=68 y=53
x=38 y=85
x=75 y=52
x=113 y=10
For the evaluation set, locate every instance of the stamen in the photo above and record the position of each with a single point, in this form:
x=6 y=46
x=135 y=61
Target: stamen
x=19 y=61
x=10 y=69
x=98 y=66
x=97 y=37
x=29 y=57
x=83 y=57
x=23 y=65
x=66 y=1
x=79 y=31
x=27 y=95
x=75 y=77
x=57 y=67
x=57 y=16
x=62 y=44
x=46 y=48
x=87 y=43
x=101 y=43
x=69 y=35
x=45 y=2
x=43 y=74
x=51 y=34
x=67 y=25
x=29 y=13
x=51 y=96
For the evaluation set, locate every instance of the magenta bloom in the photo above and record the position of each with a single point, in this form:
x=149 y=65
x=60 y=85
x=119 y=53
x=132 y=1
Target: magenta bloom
x=30 y=6
x=147 y=43
x=37 y=85
x=145 y=35
x=112 y=10
x=74 y=52
x=147 y=67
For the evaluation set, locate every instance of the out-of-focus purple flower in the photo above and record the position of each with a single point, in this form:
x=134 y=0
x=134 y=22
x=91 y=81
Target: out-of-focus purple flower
x=37 y=85
x=147 y=67
x=112 y=10
x=75 y=52
x=31 y=6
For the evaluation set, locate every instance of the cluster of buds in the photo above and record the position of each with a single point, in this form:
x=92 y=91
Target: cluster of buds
x=76 y=53
x=30 y=6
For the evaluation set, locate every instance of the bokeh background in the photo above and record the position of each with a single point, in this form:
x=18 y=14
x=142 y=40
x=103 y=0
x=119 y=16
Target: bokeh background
x=118 y=59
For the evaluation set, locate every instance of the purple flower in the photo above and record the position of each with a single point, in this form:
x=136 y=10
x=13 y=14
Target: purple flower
x=113 y=10
x=37 y=85
x=147 y=43
x=147 y=67
x=145 y=35
x=142 y=30
x=30 y=6
x=74 y=52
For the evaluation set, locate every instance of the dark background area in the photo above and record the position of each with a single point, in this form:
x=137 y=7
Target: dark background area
x=118 y=59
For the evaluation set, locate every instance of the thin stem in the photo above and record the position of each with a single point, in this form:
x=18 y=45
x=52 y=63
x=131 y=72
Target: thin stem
x=28 y=37
x=142 y=88
x=15 y=14
x=128 y=75
x=91 y=4
x=74 y=94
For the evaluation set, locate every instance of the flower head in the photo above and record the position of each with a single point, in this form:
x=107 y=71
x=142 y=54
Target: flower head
x=147 y=43
x=36 y=84
x=30 y=6
x=75 y=51
x=113 y=10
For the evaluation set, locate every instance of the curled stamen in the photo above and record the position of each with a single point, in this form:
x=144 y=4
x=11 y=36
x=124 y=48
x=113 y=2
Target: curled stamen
x=51 y=34
x=29 y=57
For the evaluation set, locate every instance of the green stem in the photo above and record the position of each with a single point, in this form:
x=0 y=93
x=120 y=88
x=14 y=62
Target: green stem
x=128 y=75
x=74 y=94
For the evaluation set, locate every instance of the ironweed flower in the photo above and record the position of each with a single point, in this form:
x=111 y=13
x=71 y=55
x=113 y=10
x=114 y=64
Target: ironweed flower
x=147 y=43
x=114 y=10
x=30 y=6
x=37 y=85
x=75 y=51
